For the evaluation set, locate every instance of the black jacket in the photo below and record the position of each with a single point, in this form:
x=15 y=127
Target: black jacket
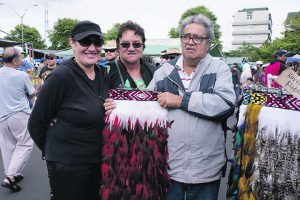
x=147 y=71
x=77 y=104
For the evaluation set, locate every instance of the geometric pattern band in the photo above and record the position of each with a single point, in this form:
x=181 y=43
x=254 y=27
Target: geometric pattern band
x=134 y=95
x=284 y=101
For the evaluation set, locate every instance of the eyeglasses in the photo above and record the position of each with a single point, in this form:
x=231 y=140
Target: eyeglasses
x=109 y=50
x=197 y=39
x=88 y=41
x=135 y=45
x=50 y=58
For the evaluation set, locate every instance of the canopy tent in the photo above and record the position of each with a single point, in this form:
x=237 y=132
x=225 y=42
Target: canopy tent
x=40 y=53
x=8 y=43
x=65 y=53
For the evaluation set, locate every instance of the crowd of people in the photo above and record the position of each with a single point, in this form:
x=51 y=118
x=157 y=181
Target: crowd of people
x=261 y=75
x=67 y=118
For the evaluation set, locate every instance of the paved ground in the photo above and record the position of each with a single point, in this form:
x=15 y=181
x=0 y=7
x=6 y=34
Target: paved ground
x=35 y=184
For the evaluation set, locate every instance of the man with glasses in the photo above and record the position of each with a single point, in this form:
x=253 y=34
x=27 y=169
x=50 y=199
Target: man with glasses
x=198 y=92
x=110 y=50
x=71 y=99
x=15 y=142
x=169 y=54
x=46 y=70
x=130 y=70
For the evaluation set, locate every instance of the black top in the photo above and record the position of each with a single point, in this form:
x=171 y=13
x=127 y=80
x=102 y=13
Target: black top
x=45 y=71
x=77 y=104
x=147 y=71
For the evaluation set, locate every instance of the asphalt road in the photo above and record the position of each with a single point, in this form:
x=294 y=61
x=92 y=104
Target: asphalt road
x=35 y=183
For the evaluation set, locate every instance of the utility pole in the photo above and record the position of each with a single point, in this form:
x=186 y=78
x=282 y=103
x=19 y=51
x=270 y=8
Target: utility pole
x=20 y=15
x=46 y=21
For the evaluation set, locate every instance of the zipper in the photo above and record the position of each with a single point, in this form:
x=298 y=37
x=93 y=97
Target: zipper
x=176 y=84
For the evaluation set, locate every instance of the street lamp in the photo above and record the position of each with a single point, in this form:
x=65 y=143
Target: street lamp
x=20 y=15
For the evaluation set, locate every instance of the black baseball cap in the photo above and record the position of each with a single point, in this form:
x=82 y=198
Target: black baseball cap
x=84 y=29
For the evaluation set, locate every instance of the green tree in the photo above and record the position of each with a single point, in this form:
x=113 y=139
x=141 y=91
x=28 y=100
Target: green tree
x=61 y=32
x=246 y=50
x=112 y=33
x=174 y=31
x=31 y=35
x=292 y=33
x=289 y=42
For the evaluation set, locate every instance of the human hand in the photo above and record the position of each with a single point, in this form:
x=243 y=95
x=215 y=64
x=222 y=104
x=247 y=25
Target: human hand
x=170 y=100
x=109 y=105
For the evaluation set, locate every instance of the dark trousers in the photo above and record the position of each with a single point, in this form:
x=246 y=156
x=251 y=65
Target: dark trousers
x=201 y=191
x=74 y=182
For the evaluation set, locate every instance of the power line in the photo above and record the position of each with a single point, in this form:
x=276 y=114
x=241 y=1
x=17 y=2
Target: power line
x=10 y=34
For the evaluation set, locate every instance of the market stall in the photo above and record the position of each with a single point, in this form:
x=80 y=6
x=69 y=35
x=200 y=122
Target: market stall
x=266 y=147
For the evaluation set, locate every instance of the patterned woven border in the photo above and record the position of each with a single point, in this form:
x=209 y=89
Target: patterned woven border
x=135 y=95
x=285 y=101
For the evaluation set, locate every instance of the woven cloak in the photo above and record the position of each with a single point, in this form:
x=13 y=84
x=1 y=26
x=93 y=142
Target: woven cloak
x=135 y=148
x=266 y=162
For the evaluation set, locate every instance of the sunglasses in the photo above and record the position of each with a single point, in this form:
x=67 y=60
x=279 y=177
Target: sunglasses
x=135 y=45
x=109 y=50
x=50 y=58
x=171 y=57
x=88 y=41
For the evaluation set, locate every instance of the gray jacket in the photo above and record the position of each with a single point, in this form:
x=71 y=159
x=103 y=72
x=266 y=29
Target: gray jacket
x=196 y=140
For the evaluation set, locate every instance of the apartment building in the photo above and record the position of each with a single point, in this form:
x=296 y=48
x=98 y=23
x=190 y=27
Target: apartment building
x=252 y=26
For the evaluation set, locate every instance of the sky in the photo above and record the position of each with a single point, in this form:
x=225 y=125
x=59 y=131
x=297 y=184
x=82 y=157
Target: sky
x=157 y=17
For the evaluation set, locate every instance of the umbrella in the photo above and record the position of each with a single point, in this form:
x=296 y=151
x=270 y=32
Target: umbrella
x=295 y=58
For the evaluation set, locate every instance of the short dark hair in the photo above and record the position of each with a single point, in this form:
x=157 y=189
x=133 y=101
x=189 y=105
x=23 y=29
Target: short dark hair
x=235 y=65
x=250 y=79
x=130 y=25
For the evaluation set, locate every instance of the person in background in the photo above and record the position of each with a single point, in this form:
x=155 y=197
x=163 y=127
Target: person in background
x=130 y=70
x=246 y=73
x=276 y=67
x=15 y=142
x=72 y=99
x=110 y=50
x=236 y=76
x=41 y=65
x=250 y=82
x=46 y=70
x=27 y=64
x=163 y=57
x=111 y=54
x=259 y=77
x=169 y=54
x=198 y=92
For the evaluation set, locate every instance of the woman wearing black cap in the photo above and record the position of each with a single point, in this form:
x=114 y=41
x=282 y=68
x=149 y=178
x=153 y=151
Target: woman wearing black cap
x=73 y=95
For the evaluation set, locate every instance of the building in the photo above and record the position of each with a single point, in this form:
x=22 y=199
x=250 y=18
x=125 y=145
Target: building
x=252 y=26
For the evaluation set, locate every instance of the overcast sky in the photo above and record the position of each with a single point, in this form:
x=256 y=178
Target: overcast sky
x=155 y=16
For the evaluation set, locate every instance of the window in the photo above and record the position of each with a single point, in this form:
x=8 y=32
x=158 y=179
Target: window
x=249 y=15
